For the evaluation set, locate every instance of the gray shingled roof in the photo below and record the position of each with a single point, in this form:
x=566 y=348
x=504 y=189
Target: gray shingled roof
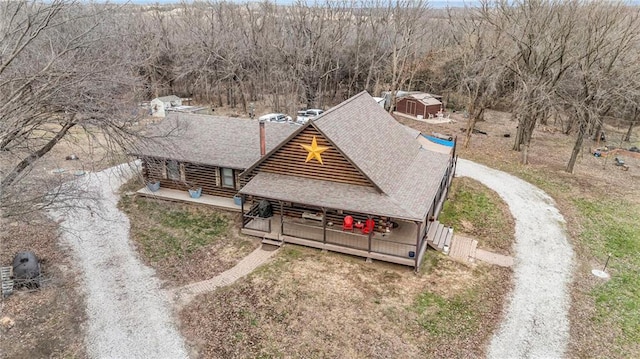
x=378 y=144
x=411 y=200
x=323 y=194
x=412 y=131
x=385 y=150
x=211 y=140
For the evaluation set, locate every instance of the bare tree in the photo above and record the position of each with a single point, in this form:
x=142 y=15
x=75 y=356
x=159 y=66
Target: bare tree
x=602 y=44
x=55 y=76
x=405 y=29
x=539 y=33
x=476 y=52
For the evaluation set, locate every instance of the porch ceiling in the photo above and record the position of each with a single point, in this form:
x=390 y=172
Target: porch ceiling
x=327 y=194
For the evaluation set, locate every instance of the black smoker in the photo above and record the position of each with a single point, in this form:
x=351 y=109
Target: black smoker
x=26 y=269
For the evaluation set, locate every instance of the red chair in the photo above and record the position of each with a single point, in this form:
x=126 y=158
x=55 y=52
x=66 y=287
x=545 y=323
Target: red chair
x=369 y=225
x=347 y=225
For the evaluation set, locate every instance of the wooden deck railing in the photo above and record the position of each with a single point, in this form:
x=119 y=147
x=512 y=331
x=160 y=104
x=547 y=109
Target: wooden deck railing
x=353 y=240
x=393 y=248
x=258 y=223
x=251 y=220
x=304 y=231
x=348 y=239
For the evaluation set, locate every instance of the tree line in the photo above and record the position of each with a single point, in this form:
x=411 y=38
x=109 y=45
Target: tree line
x=74 y=65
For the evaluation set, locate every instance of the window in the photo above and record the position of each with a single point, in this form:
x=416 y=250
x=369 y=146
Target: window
x=227 y=178
x=173 y=170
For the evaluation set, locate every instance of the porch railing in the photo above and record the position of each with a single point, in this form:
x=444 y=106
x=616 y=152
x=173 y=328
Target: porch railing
x=251 y=220
x=257 y=223
x=350 y=240
x=304 y=231
x=392 y=248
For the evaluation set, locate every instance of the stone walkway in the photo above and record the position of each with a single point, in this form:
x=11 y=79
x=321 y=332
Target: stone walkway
x=183 y=295
x=466 y=249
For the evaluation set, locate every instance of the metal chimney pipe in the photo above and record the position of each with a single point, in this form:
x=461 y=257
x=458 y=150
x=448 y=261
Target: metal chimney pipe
x=263 y=143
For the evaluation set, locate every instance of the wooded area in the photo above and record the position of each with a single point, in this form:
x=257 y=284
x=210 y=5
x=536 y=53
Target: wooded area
x=66 y=64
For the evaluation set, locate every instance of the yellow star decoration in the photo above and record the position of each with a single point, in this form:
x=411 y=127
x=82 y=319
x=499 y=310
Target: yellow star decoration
x=314 y=150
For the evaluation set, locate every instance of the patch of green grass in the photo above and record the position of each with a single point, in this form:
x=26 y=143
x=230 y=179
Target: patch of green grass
x=158 y=244
x=429 y=261
x=614 y=227
x=448 y=316
x=170 y=231
x=467 y=204
x=542 y=180
x=475 y=209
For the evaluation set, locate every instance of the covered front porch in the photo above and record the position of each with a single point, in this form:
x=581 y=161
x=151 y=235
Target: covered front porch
x=401 y=241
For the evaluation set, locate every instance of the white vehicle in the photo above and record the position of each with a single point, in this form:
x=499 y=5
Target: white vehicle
x=306 y=115
x=275 y=117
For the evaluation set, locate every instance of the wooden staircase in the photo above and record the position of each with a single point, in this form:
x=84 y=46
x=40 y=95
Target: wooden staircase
x=272 y=239
x=439 y=237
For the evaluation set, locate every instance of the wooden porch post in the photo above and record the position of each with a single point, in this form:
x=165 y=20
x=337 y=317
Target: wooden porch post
x=371 y=236
x=241 y=211
x=417 y=254
x=281 y=218
x=324 y=225
x=455 y=143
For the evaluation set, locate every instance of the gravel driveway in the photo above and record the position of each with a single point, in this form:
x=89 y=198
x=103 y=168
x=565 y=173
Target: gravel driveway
x=535 y=324
x=128 y=314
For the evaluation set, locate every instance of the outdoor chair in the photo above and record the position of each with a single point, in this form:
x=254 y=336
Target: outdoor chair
x=347 y=225
x=369 y=225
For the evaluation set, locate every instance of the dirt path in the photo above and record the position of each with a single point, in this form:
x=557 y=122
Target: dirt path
x=128 y=315
x=248 y=264
x=536 y=323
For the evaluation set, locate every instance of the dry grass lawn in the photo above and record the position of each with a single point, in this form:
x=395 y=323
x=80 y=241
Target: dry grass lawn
x=309 y=304
x=48 y=322
x=601 y=204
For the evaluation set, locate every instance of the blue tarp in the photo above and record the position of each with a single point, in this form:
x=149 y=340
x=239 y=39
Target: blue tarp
x=439 y=141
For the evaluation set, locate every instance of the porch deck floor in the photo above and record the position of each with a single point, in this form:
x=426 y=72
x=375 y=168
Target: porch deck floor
x=183 y=196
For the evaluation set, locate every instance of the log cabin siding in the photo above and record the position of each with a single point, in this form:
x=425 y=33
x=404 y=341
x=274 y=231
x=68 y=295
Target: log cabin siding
x=290 y=160
x=192 y=175
x=295 y=210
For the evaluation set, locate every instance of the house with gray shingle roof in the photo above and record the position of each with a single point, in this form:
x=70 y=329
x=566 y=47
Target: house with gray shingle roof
x=186 y=151
x=353 y=161
x=303 y=184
